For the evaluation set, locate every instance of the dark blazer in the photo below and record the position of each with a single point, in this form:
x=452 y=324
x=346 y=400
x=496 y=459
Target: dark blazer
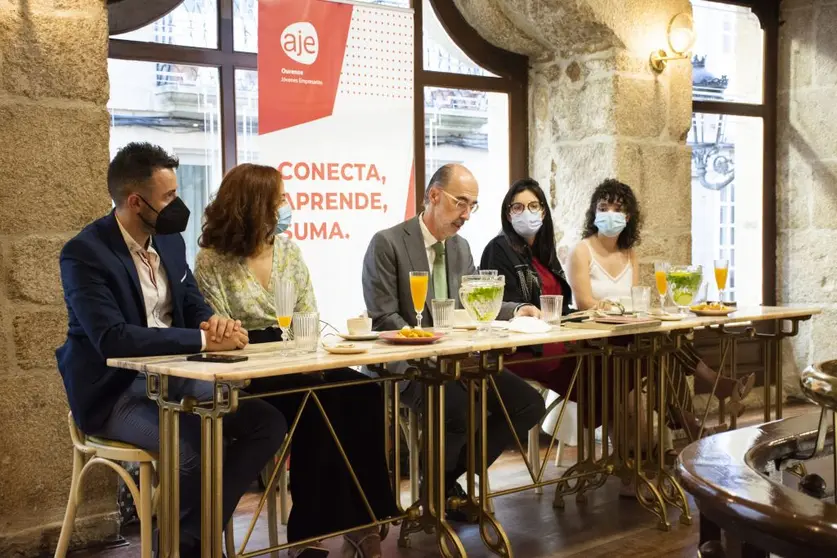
x=391 y=256
x=107 y=316
x=522 y=282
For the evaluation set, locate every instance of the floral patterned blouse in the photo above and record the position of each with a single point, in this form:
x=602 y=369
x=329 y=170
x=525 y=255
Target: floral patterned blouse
x=232 y=290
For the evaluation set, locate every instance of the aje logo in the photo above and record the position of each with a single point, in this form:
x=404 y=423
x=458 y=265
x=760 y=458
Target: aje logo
x=301 y=43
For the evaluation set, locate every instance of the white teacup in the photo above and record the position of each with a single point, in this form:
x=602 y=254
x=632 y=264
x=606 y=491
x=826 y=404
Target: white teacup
x=359 y=326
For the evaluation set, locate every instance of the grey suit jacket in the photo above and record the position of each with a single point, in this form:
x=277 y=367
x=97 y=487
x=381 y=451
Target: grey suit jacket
x=391 y=256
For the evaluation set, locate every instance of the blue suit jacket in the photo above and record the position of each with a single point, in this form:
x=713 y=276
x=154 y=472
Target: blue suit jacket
x=107 y=316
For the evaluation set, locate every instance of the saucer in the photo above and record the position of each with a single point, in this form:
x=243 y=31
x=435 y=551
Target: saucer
x=371 y=336
x=344 y=349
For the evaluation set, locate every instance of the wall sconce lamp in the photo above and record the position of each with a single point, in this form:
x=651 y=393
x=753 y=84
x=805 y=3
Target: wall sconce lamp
x=681 y=39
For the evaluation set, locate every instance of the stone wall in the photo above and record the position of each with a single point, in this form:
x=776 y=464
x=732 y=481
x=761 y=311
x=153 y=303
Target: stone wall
x=597 y=110
x=53 y=160
x=807 y=173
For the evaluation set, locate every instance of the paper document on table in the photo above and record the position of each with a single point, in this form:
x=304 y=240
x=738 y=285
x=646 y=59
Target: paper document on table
x=527 y=324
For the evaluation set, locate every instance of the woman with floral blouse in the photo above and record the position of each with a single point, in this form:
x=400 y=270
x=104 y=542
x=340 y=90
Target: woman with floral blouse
x=243 y=255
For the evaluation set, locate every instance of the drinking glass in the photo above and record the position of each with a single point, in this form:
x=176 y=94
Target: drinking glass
x=306 y=330
x=482 y=297
x=684 y=282
x=418 y=289
x=721 y=274
x=551 y=306
x=284 y=294
x=641 y=300
x=661 y=278
x=442 y=309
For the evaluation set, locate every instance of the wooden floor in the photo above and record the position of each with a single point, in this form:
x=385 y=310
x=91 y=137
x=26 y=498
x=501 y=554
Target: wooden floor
x=607 y=526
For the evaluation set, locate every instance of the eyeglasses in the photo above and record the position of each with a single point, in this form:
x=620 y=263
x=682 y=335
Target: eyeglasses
x=533 y=206
x=462 y=205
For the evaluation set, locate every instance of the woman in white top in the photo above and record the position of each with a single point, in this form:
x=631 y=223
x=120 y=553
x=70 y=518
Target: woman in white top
x=603 y=268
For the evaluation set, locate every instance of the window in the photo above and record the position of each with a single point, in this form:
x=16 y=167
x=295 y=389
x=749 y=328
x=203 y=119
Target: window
x=728 y=142
x=193 y=24
x=174 y=106
x=472 y=128
x=193 y=88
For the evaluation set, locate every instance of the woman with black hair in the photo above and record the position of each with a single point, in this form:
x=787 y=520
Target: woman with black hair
x=525 y=254
x=603 y=268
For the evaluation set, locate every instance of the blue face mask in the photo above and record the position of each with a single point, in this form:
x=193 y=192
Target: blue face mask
x=284 y=221
x=610 y=223
x=527 y=223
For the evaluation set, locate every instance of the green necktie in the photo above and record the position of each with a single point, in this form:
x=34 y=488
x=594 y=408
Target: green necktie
x=440 y=277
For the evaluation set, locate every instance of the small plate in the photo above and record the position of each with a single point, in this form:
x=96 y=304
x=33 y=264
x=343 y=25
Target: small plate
x=344 y=349
x=394 y=338
x=668 y=317
x=715 y=313
x=360 y=337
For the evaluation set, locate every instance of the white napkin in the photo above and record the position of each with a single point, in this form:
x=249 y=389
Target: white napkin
x=528 y=324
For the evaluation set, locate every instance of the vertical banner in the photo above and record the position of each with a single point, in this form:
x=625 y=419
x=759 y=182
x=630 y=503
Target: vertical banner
x=336 y=119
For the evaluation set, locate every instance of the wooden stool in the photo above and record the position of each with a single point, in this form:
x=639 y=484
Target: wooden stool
x=89 y=451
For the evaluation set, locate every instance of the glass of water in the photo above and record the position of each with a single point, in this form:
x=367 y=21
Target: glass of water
x=442 y=309
x=306 y=327
x=641 y=300
x=551 y=306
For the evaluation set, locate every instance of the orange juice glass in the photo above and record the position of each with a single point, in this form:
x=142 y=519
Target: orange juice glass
x=721 y=274
x=284 y=293
x=662 y=283
x=660 y=271
x=418 y=289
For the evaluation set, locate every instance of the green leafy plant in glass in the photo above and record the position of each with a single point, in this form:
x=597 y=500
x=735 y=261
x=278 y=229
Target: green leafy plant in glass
x=482 y=297
x=684 y=282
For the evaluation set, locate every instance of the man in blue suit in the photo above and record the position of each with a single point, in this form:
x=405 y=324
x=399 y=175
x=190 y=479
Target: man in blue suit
x=130 y=293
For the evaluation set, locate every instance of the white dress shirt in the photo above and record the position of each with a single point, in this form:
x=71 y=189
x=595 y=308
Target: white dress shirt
x=429 y=241
x=154 y=283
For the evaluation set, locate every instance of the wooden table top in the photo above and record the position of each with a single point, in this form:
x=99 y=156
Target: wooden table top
x=723 y=473
x=264 y=359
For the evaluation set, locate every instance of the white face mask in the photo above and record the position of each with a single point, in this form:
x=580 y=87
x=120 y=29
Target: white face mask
x=527 y=223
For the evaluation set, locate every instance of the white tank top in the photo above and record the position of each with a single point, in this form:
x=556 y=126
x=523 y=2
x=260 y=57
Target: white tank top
x=603 y=285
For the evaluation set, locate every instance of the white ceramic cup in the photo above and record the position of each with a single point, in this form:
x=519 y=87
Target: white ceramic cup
x=359 y=326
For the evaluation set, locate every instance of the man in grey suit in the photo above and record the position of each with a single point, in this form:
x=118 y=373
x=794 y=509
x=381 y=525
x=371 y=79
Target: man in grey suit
x=430 y=243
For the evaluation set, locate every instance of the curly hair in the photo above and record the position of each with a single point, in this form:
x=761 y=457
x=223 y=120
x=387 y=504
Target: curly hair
x=613 y=191
x=243 y=214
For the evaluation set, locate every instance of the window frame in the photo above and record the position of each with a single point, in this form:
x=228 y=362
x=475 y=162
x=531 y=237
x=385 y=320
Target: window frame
x=512 y=71
x=767 y=12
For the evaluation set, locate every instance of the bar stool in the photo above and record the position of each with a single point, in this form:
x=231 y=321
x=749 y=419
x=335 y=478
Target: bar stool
x=89 y=451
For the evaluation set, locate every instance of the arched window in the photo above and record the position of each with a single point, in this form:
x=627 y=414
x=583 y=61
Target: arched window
x=188 y=82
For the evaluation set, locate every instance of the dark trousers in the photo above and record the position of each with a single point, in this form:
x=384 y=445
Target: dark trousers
x=523 y=403
x=325 y=498
x=255 y=433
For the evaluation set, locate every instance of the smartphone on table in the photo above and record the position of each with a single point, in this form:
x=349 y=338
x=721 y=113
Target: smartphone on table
x=213 y=357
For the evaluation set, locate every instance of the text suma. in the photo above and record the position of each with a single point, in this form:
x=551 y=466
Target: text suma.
x=316 y=231
x=328 y=171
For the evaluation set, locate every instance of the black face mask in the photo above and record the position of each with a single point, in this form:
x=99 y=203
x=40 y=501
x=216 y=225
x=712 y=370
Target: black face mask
x=172 y=219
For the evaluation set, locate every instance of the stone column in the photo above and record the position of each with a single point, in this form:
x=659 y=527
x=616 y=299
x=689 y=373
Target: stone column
x=597 y=110
x=807 y=174
x=53 y=162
